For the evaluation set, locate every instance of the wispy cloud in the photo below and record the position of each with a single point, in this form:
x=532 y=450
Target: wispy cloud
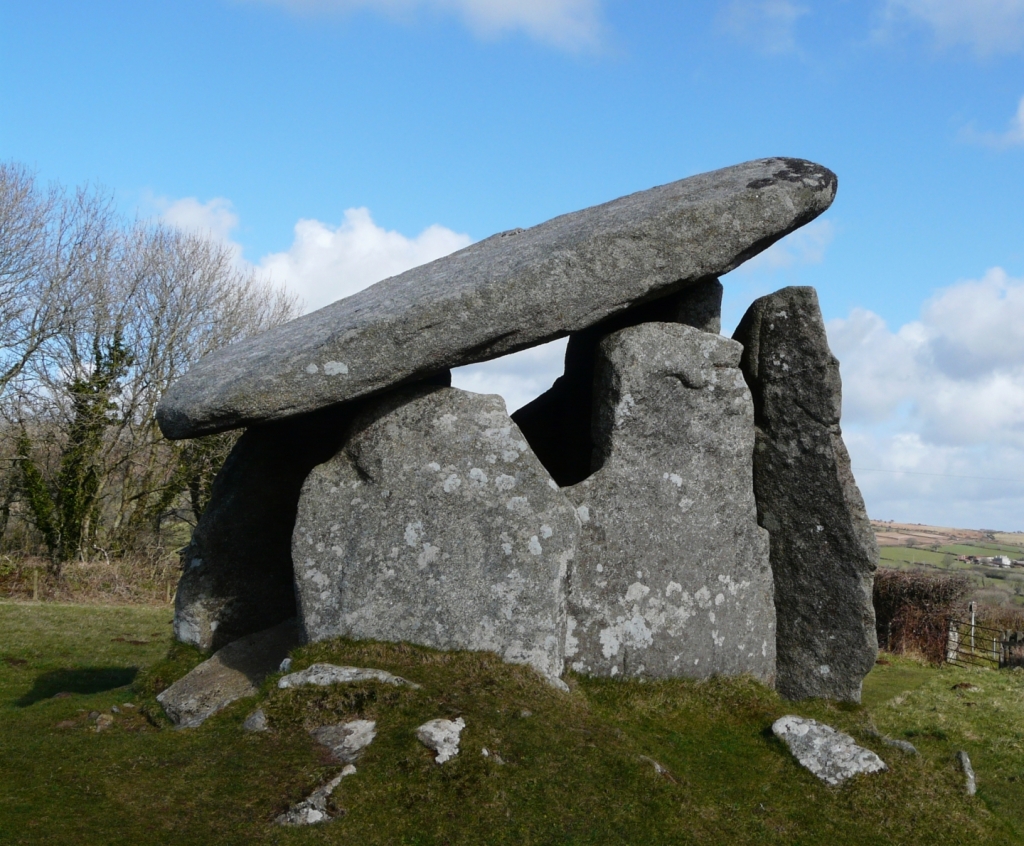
x=768 y=25
x=938 y=400
x=1013 y=136
x=988 y=27
x=572 y=25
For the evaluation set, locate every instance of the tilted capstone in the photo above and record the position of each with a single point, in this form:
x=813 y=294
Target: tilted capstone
x=436 y=524
x=672 y=576
x=508 y=292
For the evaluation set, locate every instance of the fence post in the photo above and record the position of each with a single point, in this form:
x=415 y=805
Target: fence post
x=972 y=627
x=953 y=642
x=35 y=584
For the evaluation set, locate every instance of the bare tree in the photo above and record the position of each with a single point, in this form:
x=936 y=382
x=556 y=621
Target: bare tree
x=99 y=318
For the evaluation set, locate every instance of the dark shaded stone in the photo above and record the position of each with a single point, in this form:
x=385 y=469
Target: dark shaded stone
x=823 y=551
x=237 y=572
x=557 y=423
x=506 y=293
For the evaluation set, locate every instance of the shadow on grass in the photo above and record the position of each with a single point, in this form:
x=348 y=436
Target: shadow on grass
x=81 y=680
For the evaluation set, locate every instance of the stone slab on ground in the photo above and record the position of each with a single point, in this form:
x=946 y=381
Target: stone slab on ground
x=314 y=808
x=672 y=577
x=323 y=675
x=831 y=755
x=506 y=293
x=231 y=673
x=436 y=524
x=823 y=550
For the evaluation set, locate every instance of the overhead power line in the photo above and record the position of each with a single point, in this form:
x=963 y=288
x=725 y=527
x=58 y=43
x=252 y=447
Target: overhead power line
x=943 y=475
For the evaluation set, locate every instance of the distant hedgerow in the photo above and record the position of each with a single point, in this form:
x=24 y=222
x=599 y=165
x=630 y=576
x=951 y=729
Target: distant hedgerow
x=913 y=607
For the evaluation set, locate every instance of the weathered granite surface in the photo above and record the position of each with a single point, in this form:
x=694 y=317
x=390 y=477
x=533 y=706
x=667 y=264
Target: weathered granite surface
x=231 y=673
x=436 y=524
x=823 y=551
x=557 y=424
x=508 y=292
x=831 y=755
x=672 y=576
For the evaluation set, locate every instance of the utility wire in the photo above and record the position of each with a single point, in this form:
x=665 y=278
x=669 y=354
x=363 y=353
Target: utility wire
x=942 y=475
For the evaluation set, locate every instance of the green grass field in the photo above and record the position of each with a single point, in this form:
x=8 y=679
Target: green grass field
x=578 y=765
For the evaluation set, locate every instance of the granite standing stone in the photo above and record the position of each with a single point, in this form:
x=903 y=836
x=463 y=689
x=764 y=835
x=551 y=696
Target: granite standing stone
x=557 y=424
x=511 y=291
x=436 y=524
x=237 y=571
x=823 y=551
x=672 y=575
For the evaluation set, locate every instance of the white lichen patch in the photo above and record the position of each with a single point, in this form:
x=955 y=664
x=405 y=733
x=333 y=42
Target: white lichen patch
x=534 y=546
x=504 y=482
x=452 y=483
x=335 y=368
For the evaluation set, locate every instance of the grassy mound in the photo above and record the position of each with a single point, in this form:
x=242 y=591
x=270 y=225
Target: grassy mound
x=567 y=768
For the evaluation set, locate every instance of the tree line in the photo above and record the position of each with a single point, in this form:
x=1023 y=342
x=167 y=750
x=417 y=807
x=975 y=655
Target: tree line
x=98 y=315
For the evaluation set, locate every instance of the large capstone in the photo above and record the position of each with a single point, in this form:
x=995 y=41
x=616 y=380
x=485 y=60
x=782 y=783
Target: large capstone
x=511 y=291
x=823 y=552
x=557 y=424
x=237 y=571
x=672 y=576
x=436 y=524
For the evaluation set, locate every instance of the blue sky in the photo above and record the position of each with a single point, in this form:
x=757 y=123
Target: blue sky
x=335 y=142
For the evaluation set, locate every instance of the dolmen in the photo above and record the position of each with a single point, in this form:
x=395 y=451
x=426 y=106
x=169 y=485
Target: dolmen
x=678 y=504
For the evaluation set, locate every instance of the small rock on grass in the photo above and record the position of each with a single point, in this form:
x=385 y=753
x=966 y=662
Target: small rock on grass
x=346 y=740
x=442 y=736
x=313 y=809
x=831 y=755
x=256 y=721
x=104 y=721
x=327 y=674
x=965 y=764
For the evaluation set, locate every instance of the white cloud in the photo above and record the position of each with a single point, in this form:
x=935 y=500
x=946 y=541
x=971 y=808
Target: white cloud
x=941 y=399
x=769 y=25
x=987 y=26
x=215 y=218
x=1012 y=137
x=568 y=24
x=326 y=263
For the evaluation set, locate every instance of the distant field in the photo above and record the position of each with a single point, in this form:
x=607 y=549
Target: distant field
x=905 y=546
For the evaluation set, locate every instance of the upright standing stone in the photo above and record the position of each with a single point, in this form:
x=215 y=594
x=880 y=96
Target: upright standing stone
x=237 y=571
x=672 y=576
x=823 y=552
x=506 y=293
x=436 y=524
x=557 y=423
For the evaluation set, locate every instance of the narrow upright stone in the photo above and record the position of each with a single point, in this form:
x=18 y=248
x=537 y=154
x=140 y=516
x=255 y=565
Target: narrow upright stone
x=823 y=552
x=672 y=576
x=436 y=524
